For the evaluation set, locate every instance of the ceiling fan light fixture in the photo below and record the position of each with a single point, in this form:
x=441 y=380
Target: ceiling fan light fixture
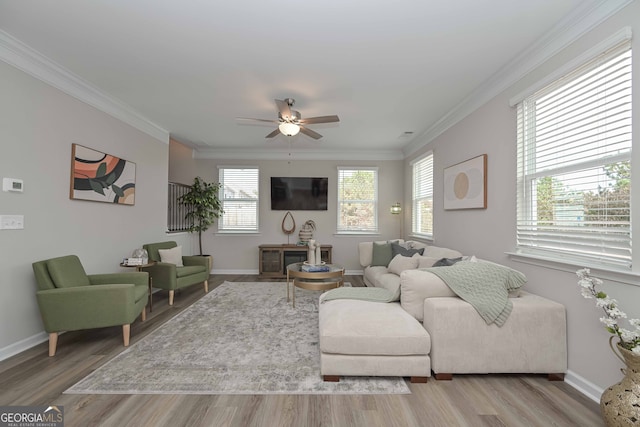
x=289 y=129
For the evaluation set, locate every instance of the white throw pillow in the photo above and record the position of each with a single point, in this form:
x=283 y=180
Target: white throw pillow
x=401 y=263
x=172 y=256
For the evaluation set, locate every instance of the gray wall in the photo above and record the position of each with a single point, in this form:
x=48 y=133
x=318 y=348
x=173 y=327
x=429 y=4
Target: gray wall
x=38 y=124
x=238 y=253
x=490 y=233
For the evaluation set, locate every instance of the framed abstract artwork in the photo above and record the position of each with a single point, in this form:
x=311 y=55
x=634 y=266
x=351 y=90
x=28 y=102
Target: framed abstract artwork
x=465 y=184
x=101 y=177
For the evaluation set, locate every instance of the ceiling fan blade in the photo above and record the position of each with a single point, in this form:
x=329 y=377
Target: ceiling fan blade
x=257 y=120
x=284 y=109
x=274 y=133
x=310 y=133
x=320 y=119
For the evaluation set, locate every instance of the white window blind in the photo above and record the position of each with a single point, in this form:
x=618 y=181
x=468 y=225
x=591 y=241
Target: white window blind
x=574 y=165
x=358 y=200
x=240 y=198
x=422 y=206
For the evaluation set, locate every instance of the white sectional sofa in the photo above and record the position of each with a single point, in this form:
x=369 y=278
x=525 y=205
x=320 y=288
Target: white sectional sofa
x=361 y=337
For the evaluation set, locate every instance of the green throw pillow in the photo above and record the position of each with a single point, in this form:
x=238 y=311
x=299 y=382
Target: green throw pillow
x=382 y=254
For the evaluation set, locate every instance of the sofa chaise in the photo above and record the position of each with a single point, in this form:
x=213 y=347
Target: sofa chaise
x=429 y=328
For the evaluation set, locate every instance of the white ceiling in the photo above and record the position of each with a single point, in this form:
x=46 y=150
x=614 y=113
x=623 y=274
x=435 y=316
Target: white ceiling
x=384 y=67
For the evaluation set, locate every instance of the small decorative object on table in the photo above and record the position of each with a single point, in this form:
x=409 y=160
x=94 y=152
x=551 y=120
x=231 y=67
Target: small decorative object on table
x=306 y=231
x=620 y=403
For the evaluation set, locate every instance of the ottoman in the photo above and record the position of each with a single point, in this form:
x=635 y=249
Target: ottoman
x=363 y=338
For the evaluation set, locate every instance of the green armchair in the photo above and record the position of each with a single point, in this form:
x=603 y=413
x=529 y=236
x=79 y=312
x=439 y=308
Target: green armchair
x=71 y=300
x=170 y=276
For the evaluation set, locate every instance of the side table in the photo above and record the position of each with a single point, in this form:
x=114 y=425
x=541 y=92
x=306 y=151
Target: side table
x=139 y=268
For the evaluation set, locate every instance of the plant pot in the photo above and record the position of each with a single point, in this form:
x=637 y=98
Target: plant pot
x=620 y=403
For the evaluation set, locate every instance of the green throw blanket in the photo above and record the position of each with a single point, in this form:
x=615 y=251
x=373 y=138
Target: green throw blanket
x=365 y=294
x=484 y=285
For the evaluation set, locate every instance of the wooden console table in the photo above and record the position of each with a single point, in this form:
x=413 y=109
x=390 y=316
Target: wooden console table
x=273 y=259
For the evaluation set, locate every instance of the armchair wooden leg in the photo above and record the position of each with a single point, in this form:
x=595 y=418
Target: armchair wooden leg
x=126 y=333
x=171 y=297
x=144 y=313
x=53 y=343
x=206 y=286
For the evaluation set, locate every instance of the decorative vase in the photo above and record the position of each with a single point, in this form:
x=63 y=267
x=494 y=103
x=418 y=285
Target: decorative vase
x=306 y=231
x=620 y=403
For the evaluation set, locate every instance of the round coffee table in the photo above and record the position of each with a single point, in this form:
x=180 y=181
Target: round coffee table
x=313 y=280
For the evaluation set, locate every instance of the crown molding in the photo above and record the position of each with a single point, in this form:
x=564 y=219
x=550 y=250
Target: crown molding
x=23 y=57
x=294 y=154
x=575 y=25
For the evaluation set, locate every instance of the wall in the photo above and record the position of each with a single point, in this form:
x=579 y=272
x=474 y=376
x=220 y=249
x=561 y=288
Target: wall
x=38 y=124
x=238 y=253
x=490 y=233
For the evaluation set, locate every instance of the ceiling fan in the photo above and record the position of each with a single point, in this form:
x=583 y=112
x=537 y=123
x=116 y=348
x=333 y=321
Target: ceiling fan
x=290 y=122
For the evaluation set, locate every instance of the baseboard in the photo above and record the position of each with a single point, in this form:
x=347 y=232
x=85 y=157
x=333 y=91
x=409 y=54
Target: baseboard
x=584 y=386
x=221 y=271
x=25 y=344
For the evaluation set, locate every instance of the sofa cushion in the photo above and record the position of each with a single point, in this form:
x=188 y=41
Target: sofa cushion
x=426 y=261
x=391 y=282
x=171 y=256
x=370 y=328
x=437 y=252
x=67 y=272
x=416 y=285
x=372 y=275
x=382 y=254
x=189 y=270
x=400 y=263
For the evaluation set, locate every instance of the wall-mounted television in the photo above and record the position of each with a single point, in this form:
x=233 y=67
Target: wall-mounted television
x=299 y=194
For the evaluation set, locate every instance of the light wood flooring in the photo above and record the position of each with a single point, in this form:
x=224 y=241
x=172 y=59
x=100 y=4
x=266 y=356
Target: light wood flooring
x=33 y=378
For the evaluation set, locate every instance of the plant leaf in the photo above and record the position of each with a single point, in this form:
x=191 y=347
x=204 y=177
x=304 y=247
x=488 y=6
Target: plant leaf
x=111 y=178
x=96 y=186
x=117 y=190
x=102 y=170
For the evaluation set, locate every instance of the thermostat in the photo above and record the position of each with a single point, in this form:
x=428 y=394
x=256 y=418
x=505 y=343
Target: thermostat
x=12 y=184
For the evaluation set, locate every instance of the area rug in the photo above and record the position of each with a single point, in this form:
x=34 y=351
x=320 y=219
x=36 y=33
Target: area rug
x=240 y=338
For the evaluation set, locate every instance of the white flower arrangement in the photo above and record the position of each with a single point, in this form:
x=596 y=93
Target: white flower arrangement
x=628 y=339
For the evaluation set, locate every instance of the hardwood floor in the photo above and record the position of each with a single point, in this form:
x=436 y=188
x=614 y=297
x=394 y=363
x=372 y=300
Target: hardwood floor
x=33 y=378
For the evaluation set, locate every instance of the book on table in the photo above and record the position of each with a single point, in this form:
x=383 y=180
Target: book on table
x=312 y=268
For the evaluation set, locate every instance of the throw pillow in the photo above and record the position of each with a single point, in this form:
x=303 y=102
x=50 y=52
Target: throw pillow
x=397 y=249
x=447 y=262
x=401 y=263
x=381 y=254
x=172 y=256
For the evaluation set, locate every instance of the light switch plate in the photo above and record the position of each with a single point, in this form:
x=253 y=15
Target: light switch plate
x=11 y=222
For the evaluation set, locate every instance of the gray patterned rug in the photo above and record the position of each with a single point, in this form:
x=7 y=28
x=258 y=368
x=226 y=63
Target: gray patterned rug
x=240 y=338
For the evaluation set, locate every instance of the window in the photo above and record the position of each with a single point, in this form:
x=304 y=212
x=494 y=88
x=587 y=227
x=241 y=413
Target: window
x=240 y=201
x=422 y=201
x=357 y=200
x=574 y=165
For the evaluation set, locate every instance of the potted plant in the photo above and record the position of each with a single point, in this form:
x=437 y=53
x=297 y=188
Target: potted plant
x=203 y=206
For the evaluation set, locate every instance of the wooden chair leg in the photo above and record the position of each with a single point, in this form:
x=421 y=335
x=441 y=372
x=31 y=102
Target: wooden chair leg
x=126 y=333
x=53 y=343
x=419 y=380
x=144 y=313
x=171 y=297
x=206 y=286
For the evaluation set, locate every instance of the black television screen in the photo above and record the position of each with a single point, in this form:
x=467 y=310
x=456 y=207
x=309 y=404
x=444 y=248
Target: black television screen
x=299 y=194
